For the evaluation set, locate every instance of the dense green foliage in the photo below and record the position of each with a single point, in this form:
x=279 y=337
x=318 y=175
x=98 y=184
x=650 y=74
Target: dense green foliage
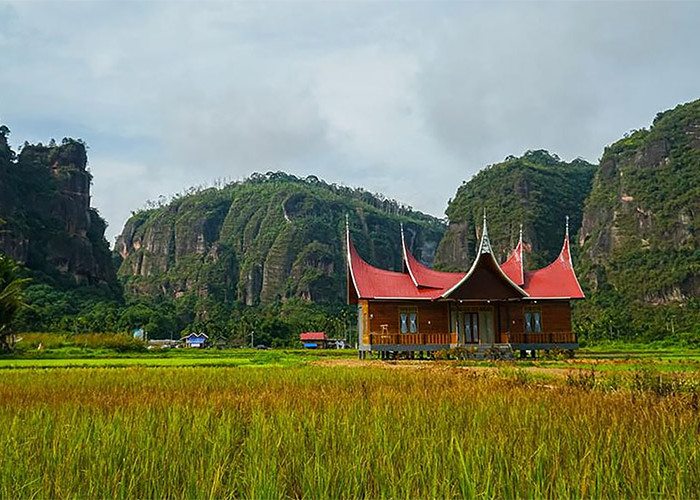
x=278 y=324
x=12 y=299
x=640 y=260
x=270 y=237
x=275 y=230
x=49 y=226
x=537 y=190
x=265 y=255
x=338 y=432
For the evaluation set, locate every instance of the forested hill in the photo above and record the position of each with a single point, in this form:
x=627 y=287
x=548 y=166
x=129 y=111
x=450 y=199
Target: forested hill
x=46 y=221
x=269 y=237
x=537 y=190
x=641 y=248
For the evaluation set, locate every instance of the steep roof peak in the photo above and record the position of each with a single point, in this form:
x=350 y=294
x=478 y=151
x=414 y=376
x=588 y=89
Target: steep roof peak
x=485 y=258
x=405 y=256
x=514 y=265
x=485 y=243
x=558 y=279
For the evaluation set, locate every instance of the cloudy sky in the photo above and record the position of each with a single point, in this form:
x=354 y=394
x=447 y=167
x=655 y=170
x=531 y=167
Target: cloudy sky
x=404 y=98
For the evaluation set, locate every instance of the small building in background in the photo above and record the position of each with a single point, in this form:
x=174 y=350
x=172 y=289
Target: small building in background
x=163 y=344
x=195 y=340
x=314 y=340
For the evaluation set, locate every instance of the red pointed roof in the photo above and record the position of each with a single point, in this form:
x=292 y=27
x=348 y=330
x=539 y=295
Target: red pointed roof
x=422 y=275
x=418 y=281
x=373 y=283
x=557 y=280
x=513 y=266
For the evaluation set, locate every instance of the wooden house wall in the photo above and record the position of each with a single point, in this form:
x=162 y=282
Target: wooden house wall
x=512 y=319
x=555 y=315
x=363 y=322
x=433 y=317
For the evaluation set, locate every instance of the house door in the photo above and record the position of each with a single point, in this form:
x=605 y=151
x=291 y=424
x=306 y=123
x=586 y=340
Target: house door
x=470 y=320
x=474 y=327
x=466 y=324
x=487 y=329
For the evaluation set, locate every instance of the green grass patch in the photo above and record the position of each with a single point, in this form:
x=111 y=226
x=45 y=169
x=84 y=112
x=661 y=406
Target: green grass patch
x=308 y=431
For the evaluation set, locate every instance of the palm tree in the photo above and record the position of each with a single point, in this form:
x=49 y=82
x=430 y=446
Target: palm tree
x=11 y=299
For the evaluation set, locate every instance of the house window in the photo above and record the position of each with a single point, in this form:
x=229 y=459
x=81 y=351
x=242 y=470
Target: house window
x=408 y=321
x=533 y=321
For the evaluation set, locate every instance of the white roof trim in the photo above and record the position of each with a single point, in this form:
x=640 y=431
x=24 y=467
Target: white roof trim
x=552 y=298
x=567 y=246
x=405 y=258
x=349 y=257
x=484 y=248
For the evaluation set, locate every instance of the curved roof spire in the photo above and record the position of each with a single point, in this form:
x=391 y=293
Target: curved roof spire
x=565 y=253
x=520 y=237
x=485 y=243
x=513 y=266
x=484 y=259
x=349 y=251
x=558 y=279
x=406 y=262
x=421 y=275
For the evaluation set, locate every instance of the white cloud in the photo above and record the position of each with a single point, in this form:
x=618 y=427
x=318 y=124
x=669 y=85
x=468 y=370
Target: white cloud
x=404 y=98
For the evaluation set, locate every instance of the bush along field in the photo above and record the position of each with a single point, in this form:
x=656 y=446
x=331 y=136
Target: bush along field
x=364 y=431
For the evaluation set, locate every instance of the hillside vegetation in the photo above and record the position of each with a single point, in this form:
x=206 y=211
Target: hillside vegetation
x=270 y=237
x=266 y=256
x=640 y=256
x=46 y=221
x=537 y=190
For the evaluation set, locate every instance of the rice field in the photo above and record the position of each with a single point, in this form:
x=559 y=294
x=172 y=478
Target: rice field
x=362 y=431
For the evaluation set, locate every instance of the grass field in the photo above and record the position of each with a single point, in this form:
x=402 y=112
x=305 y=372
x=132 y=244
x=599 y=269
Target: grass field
x=289 y=426
x=169 y=358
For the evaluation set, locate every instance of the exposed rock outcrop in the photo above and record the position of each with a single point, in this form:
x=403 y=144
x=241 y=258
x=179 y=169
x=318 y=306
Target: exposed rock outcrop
x=265 y=239
x=639 y=232
x=537 y=190
x=49 y=225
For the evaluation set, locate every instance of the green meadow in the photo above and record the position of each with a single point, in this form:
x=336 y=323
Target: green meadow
x=301 y=425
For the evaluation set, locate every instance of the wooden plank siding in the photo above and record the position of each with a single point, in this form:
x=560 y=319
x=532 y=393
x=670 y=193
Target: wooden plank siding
x=433 y=321
x=363 y=326
x=380 y=322
x=555 y=323
x=433 y=317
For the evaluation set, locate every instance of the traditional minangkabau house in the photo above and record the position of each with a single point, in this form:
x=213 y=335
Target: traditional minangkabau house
x=491 y=305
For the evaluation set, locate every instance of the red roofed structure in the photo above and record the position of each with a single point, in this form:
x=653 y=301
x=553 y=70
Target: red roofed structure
x=313 y=336
x=420 y=309
x=314 y=340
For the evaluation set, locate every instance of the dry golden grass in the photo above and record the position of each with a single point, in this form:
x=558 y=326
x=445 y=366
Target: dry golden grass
x=338 y=432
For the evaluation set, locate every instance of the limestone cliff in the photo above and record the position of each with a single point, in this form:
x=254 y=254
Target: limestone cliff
x=49 y=225
x=537 y=190
x=639 y=235
x=270 y=237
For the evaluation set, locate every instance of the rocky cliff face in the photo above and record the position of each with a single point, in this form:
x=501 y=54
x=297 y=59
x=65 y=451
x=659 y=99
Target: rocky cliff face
x=536 y=190
x=271 y=237
x=639 y=234
x=49 y=224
